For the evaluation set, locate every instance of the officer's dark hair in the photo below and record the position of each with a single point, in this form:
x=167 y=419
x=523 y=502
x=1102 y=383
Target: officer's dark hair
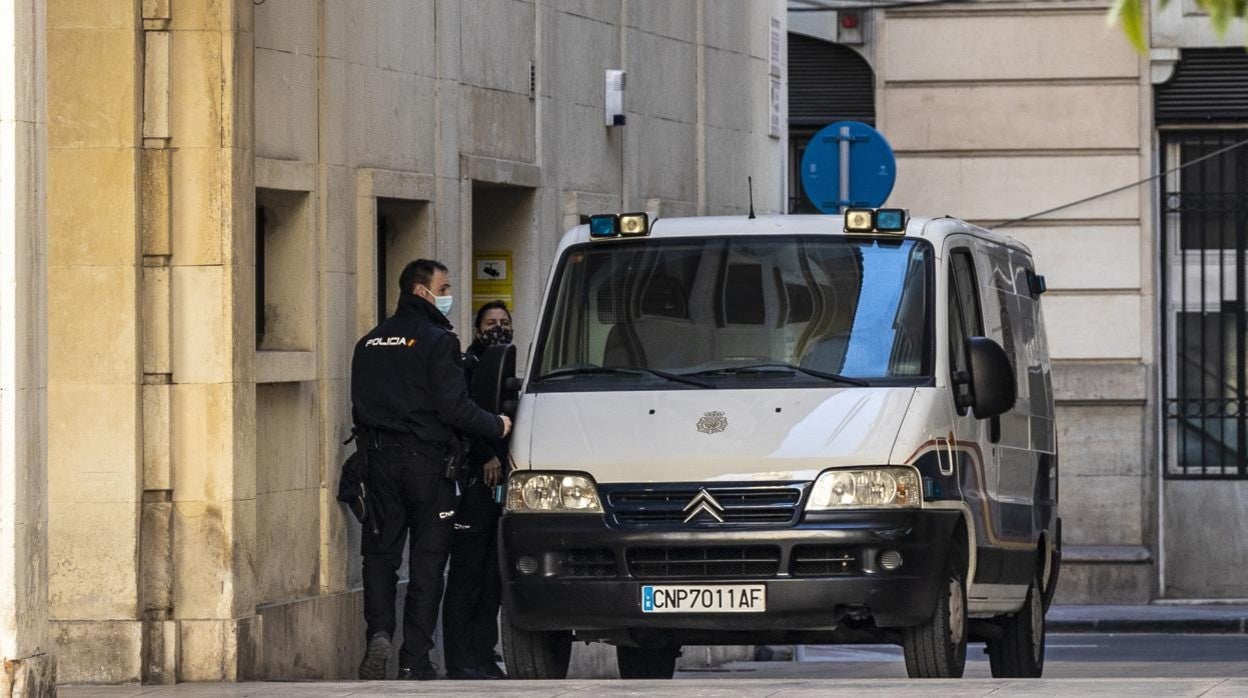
x=492 y=305
x=420 y=272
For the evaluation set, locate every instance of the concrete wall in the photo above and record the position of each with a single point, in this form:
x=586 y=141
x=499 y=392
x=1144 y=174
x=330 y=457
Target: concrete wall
x=1181 y=24
x=26 y=656
x=194 y=531
x=994 y=117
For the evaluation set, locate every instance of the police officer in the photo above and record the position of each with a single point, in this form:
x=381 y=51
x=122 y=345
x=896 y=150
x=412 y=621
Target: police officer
x=473 y=584
x=410 y=404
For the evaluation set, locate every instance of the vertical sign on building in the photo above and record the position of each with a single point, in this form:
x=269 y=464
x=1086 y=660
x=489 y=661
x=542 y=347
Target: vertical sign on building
x=774 y=67
x=491 y=279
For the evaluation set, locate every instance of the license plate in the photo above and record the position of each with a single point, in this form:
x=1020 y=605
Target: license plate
x=704 y=598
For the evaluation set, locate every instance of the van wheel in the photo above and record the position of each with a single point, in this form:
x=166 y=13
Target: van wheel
x=937 y=649
x=646 y=662
x=1019 y=652
x=541 y=654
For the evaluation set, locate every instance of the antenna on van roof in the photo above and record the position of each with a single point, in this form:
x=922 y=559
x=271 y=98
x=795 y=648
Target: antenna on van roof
x=750 y=184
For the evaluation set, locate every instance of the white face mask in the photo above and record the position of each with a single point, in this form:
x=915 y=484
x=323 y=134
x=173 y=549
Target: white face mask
x=442 y=303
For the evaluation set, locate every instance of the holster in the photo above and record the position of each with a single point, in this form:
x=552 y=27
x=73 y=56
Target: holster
x=353 y=488
x=456 y=459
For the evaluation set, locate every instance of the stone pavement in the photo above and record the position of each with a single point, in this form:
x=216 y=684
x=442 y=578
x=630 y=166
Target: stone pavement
x=690 y=688
x=1155 y=618
x=1169 y=619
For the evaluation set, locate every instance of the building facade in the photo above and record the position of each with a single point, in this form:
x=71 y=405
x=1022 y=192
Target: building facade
x=999 y=111
x=233 y=188
x=203 y=203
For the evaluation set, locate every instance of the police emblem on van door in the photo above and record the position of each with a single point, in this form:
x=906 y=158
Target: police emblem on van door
x=712 y=423
x=704 y=503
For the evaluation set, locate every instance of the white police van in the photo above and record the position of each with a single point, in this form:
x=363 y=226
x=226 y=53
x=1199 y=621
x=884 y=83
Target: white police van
x=786 y=429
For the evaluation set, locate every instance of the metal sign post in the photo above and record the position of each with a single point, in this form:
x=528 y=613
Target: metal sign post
x=846 y=164
x=843 y=203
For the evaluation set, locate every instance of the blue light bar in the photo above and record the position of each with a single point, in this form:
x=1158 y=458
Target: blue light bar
x=890 y=220
x=606 y=225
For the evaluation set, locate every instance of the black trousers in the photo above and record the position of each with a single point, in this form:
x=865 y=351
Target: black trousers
x=473 y=584
x=413 y=504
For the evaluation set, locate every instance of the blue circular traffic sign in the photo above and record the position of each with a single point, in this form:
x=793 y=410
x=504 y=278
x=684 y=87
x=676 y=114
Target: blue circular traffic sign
x=872 y=169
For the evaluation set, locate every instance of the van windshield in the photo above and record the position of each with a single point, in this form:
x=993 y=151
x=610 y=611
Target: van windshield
x=696 y=313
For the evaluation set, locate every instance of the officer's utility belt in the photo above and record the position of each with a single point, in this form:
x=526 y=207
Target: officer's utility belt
x=453 y=456
x=388 y=440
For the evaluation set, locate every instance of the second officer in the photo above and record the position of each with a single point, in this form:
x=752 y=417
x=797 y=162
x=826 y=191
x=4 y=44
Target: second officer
x=470 y=609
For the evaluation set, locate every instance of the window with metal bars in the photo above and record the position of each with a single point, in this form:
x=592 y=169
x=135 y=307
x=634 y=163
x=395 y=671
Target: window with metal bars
x=1204 y=235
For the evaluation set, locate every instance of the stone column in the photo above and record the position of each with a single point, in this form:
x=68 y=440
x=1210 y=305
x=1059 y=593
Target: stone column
x=28 y=668
x=94 y=372
x=212 y=344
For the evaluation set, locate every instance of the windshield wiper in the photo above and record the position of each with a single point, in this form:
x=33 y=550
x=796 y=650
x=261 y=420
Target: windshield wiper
x=624 y=370
x=785 y=365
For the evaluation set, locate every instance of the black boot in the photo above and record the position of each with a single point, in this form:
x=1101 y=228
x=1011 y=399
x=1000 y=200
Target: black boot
x=493 y=670
x=420 y=671
x=373 y=668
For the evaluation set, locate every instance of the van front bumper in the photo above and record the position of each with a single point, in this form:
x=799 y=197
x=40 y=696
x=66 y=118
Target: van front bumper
x=581 y=574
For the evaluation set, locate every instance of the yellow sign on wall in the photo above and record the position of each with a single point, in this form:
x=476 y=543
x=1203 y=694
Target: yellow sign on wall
x=491 y=278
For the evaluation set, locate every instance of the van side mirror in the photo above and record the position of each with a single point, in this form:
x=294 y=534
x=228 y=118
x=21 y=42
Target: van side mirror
x=992 y=378
x=494 y=385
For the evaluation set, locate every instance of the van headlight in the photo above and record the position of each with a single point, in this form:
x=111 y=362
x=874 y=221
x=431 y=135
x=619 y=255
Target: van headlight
x=866 y=488
x=538 y=492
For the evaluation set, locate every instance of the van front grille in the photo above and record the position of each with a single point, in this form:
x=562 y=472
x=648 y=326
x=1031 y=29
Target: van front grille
x=637 y=506
x=704 y=562
x=823 y=561
x=590 y=562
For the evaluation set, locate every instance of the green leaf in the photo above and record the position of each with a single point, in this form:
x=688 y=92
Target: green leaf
x=1222 y=12
x=1130 y=14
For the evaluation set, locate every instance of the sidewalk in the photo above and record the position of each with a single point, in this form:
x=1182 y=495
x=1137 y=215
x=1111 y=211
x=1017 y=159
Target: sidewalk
x=1153 y=618
x=686 y=688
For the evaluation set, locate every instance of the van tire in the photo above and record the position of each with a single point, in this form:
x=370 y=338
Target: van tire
x=535 y=654
x=1019 y=652
x=646 y=662
x=937 y=648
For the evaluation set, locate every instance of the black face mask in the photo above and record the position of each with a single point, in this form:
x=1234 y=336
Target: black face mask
x=496 y=335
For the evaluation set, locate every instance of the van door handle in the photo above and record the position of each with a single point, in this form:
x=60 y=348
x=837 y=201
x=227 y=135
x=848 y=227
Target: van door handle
x=948 y=442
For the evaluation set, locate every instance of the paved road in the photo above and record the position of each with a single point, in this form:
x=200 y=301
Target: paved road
x=1067 y=656
x=1076 y=665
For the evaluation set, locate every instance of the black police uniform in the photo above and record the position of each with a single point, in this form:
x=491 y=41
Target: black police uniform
x=473 y=584
x=410 y=401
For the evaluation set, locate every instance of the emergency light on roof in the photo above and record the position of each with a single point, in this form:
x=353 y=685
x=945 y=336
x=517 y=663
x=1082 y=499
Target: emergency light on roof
x=890 y=220
x=634 y=224
x=609 y=225
x=604 y=226
x=884 y=220
x=859 y=220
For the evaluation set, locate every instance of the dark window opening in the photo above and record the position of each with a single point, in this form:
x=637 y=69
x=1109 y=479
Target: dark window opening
x=260 y=233
x=827 y=83
x=383 y=234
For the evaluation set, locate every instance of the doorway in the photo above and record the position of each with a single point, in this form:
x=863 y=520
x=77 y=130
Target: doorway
x=506 y=262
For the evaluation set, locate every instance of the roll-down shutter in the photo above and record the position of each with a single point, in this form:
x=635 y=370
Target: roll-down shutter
x=828 y=82
x=1209 y=84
